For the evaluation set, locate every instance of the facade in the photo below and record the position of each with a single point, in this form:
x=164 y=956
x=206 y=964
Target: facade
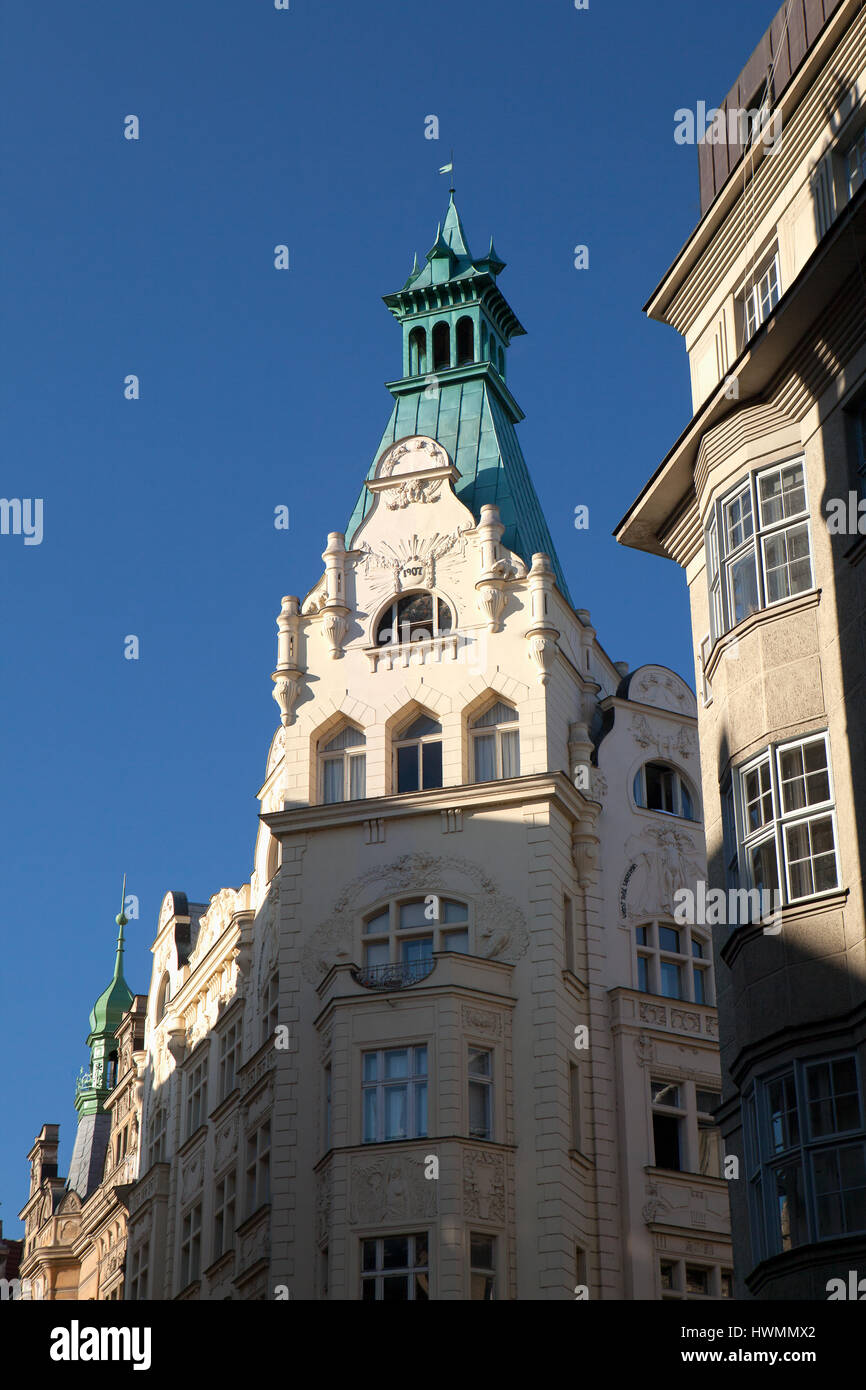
x=758 y=501
x=447 y=1042
x=75 y=1227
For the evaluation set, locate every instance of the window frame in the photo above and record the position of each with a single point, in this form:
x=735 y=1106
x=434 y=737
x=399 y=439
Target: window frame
x=393 y=605
x=410 y=1271
x=679 y=783
x=767 y=1159
x=229 y=1059
x=751 y=299
x=482 y=1084
x=257 y=1168
x=722 y=557
x=510 y=728
x=346 y=757
x=690 y=962
x=225 y=1201
x=414 y=1082
x=195 y=1096
x=395 y=934
x=190 y=1244
x=773 y=830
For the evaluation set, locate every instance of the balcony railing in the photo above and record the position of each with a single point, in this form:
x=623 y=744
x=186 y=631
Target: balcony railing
x=396 y=976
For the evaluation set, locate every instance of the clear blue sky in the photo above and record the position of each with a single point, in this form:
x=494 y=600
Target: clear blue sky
x=258 y=388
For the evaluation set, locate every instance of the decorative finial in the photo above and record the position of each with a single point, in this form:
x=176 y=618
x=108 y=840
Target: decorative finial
x=121 y=919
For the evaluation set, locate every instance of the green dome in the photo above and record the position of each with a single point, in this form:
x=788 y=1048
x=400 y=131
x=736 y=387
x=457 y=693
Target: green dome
x=112 y=1004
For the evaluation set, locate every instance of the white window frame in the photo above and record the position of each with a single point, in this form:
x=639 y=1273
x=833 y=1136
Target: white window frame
x=723 y=556
x=195 y=1111
x=270 y=1006
x=756 y=295
x=405 y=629
x=651 y=950
x=442 y=934
x=257 y=1172
x=348 y=758
x=855 y=163
x=418 y=743
x=414 y=1083
x=411 y=1271
x=482 y=1084
x=510 y=727
x=230 y=1041
x=224 y=1213
x=190 y=1245
x=774 y=829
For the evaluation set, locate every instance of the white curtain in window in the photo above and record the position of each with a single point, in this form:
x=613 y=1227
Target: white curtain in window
x=357 y=777
x=510 y=754
x=485 y=758
x=333 y=779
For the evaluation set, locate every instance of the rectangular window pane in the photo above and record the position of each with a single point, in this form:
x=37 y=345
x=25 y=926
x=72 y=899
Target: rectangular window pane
x=485 y=757
x=669 y=939
x=333 y=772
x=510 y=754
x=396 y=1064
x=456 y=941
x=642 y=974
x=479 y=1110
x=765 y=871
x=396 y=1112
x=407 y=768
x=743 y=586
x=358 y=777
x=790 y=1214
x=671 y=979
x=787 y=563
x=432 y=759
x=666 y=1140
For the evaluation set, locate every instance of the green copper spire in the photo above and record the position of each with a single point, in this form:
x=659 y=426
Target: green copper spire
x=457 y=328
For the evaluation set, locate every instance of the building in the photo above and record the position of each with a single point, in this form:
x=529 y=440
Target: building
x=768 y=293
x=75 y=1227
x=447 y=1042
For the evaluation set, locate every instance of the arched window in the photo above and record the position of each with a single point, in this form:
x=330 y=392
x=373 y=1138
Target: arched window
x=162 y=997
x=465 y=341
x=409 y=932
x=344 y=766
x=417 y=352
x=484 y=342
x=658 y=787
x=414 y=618
x=492 y=350
x=441 y=346
x=111 y=1081
x=502 y=362
x=496 y=744
x=418 y=755
x=674 y=961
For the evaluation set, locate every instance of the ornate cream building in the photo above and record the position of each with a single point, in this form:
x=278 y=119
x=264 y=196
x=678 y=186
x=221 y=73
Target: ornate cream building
x=447 y=1042
x=759 y=500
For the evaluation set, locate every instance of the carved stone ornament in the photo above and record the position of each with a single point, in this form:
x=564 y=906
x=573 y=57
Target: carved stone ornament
x=500 y=926
x=335 y=628
x=277 y=750
x=390 y=1188
x=286 y=692
x=411 y=563
x=482 y=1021
x=655 y=1205
x=644 y=1050
x=661 y=860
x=212 y=923
x=655 y=685
x=484 y=1185
x=225 y=1142
x=192 y=1168
x=411 y=455
x=492 y=599
x=413 y=490
x=671 y=744
x=542 y=652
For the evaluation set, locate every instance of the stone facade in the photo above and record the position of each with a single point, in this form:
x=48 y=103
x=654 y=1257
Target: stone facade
x=768 y=294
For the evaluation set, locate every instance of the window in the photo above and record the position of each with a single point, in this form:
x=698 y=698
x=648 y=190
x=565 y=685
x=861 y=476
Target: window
x=138 y=1273
x=190 y=1246
x=658 y=787
x=496 y=744
x=229 y=1059
x=157 y=1141
x=395 y=1269
x=258 y=1170
x=270 y=1008
x=758 y=546
x=856 y=164
x=680 y=1279
x=668 y=1116
x=394 y=1094
x=441 y=347
x=409 y=932
x=344 y=767
x=162 y=998
x=806 y=1149
x=480 y=1093
x=465 y=341
x=417 y=617
x=710 y=1153
x=574 y=1098
x=327 y=1121
x=418 y=755
x=787 y=819
x=482 y=1267
x=417 y=352
x=196 y=1096
x=223 y=1214
x=761 y=296
x=706 y=686
x=674 y=961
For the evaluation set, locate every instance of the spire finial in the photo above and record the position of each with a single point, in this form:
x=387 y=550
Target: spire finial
x=121 y=919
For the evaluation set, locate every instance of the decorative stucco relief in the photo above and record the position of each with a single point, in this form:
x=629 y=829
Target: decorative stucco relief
x=484 y=1185
x=390 y=1188
x=660 y=860
x=668 y=743
x=501 y=931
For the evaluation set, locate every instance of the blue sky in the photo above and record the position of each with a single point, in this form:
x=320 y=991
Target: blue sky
x=261 y=388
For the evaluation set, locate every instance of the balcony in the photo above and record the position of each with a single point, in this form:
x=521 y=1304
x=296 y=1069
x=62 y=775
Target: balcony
x=394 y=976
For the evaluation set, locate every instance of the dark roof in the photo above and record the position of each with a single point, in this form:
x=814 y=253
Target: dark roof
x=784 y=45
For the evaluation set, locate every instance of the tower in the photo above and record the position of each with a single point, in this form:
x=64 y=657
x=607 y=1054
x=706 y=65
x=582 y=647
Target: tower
x=427 y=1050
